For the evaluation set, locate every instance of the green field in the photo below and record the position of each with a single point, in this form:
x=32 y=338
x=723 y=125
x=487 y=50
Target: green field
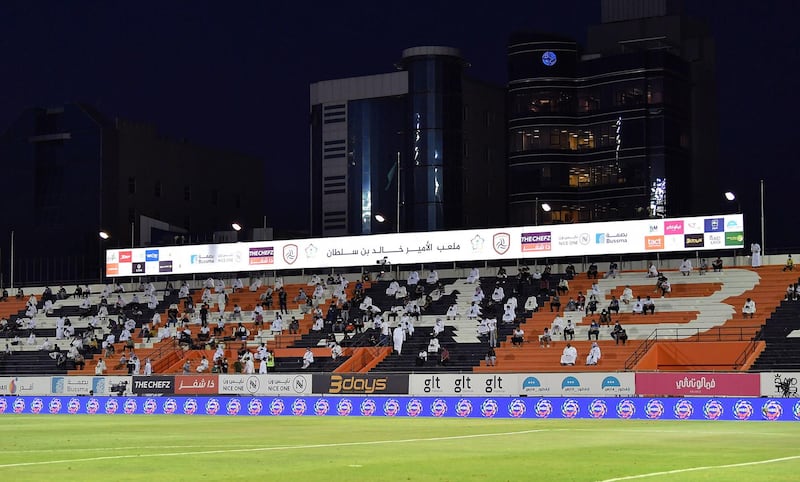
x=167 y=448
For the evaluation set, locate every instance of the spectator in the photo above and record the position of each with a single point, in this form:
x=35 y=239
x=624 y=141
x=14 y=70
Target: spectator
x=100 y=368
x=491 y=357
x=605 y=317
x=613 y=305
x=422 y=358
x=569 y=330
x=555 y=302
x=569 y=355
x=686 y=267
x=594 y=329
x=638 y=306
x=716 y=265
x=648 y=305
x=749 y=308
x=591 y=273
x=594 y=355
x=789 y=266
x=627 y=295
x=518 y=336
x=618 y=333
x=545 y=339
x=444 y=357
x=703 y=268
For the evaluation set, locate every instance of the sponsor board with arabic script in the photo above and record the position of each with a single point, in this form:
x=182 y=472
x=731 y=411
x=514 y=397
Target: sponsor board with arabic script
x=698 y=384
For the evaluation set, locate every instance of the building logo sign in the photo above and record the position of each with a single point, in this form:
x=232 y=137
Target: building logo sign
x=652 y=243
x=265 y=255
x=609 y=238
x=151 y=255
x=112 y=269
x=137 y=268
x=290 y=253
x=501 y=243
x=125 y=256
x=165 y=266
x=532 y=242
x=693 y=240
x=714 y=239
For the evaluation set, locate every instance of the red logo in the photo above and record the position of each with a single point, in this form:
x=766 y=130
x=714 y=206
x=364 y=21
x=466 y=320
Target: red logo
x=125 y=256
x=290 y=253
x=501 y=243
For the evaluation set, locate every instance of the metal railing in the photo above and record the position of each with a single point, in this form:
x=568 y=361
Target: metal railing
x=720 y=333
x=748 y=351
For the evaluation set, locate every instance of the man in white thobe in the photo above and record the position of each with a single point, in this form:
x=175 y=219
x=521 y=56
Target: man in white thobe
x=433 y=277
x=569 y=355
x=594 y=355
x=755 y=252
x=308 y=358
x=398 y=337
x=474 y=276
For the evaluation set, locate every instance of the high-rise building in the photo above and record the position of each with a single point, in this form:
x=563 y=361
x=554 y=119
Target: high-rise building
x=623 y=128
x=72 y=172
x=418 y=149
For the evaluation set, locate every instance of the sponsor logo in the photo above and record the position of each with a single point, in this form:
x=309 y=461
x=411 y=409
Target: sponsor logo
x=732 y=225
x=743 y=410
x=368 y=407
x=714 y=225
x=311 y=251
x=438 y=408
x=359 y=384
x=344 y=407
x=673 y=227
x=531 y=382
x=276 y=406
x=713 y=410
x=693 y=240
x=463 y=408
x=112 y=269
x=213 y=406
x=611 y=238
x=290 y=253
x=715 y=239
x=734 y=238
x=125 y=256
x=532 y=242
x=201 y=259
x=543 y=408
x=170 y=406
x=254 y=406
x=233 y=407
x=573 y=240
x=476 y=243
x=693 y=227
x=190 y=406
x=683 y=409
x=598 y=408
x=137 y=268
x=653 y=242
x=153 y=384
x=654 y=409
x=626 y=409
x=653 y=228
x=501 y=243
x=165 y=266
x=391 y=407
x=772 y=410
x=151 y=255
x=570 y=408
x=516 y=409
x=37 y=405
x=414 y=407
x=263 y=255
x=489 y=408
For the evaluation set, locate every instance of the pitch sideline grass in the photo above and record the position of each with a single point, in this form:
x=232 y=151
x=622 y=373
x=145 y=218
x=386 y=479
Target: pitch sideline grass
x=331 y=448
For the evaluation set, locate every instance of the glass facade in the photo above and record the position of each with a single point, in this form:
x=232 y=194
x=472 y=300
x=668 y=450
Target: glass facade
x=596 y=139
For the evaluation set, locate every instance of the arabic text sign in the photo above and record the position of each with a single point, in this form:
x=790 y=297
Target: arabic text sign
x=270 y=384
x=196 y=384
x=698 y=384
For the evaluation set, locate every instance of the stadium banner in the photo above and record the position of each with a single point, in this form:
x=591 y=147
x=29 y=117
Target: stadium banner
x=618 y=237
x=705 y=408
x=577 y=384
x=698 y=384
x=24 y=386
x=153 y=385
x=270 y=384
x=360 y=383
x=779 y=384
x=463 y=384
x=200 y=384
x=89 y=385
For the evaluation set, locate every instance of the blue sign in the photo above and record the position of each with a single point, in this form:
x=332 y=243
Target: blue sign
x=151 y=255
x=549 y=58
x=737 y=409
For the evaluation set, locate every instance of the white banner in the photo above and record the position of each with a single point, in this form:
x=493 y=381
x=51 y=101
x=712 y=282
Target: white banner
x=577 y=384
x=779 y=384
x=270 y=384
x=619 y=237
x=451 y=384
x=24 y=385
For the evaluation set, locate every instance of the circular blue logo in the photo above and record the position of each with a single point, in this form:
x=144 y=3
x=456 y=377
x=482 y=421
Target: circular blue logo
x=549 y=58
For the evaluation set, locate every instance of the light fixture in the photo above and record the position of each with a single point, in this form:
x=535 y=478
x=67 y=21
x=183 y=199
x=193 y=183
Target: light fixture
x=104 y=235
x=380 y=218
x=546 y=207
x=236 y=226
x=730 y=196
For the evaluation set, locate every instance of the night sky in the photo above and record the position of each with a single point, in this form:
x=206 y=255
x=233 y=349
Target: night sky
x=236 y=74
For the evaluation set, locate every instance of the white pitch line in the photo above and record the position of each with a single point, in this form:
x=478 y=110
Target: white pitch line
x=707 y=467
x=89 y=449
x=267 y=449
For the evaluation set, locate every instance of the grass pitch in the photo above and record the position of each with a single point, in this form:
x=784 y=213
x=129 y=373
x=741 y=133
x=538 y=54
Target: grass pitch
x=168 y=448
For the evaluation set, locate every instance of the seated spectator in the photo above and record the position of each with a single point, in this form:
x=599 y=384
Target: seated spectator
x=444 y=356
x=716 y=265
x=638 y=306
x=627 y=295
x=570 y=271
x=580 y=302
x=336 y=351
x=652 y=271
x=422 y=358
x=491 y=357
x=571 y=305
x=648 y=305
x=532 y=304
x=594 y=329
x=569 y=355
x=613 y=270
x=686 y=267
x=433 y=345
x=789 y=266
x=557 y=326
x=605 y=317
x=618 y=333
x=509 y=316
x=703 y=268
x=308 y=358
x=545 y=339
x=749 y=308
x=591 y=307
x=569 y=330
x=613 y=305
x=555 y=302
x=474 y=276
x=563 y=286
x=591 y=273
x=518 y=336
x=594 y=355
x=203 y=366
